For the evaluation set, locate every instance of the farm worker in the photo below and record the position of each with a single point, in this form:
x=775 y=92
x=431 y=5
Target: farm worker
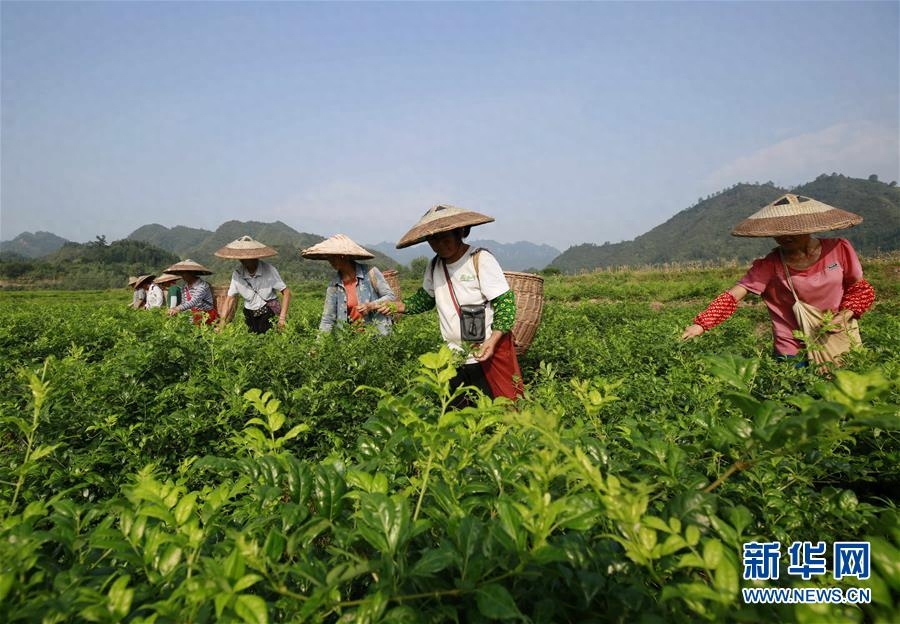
x=155 y=297
x=475 y=304
x=139 y=296
x=356 y=292
x=258 y=283
x=198 y=297
x=166 y=283
x=823 y=272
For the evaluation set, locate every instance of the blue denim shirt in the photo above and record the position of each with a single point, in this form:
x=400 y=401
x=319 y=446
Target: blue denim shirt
x=335 y=311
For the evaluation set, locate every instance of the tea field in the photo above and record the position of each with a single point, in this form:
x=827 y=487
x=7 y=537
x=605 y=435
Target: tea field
x=151 y=471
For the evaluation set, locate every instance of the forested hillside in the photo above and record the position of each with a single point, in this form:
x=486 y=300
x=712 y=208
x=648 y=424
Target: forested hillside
x=94 y=265
x=28 y=245
x=99 y=264
x=702 y=232
x=200 y=245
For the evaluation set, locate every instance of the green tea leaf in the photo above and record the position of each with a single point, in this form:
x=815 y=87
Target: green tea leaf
x=494 y=601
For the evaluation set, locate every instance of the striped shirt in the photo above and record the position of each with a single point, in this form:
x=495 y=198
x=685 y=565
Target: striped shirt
x=198 y=295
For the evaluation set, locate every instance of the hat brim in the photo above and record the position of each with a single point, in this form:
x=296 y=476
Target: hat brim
x=834 y=219
x=192 y=271
x=187 y=266
x=326 y=256
x=143 y=278
x=246 y=254
x=420 y=232
x=337 y=245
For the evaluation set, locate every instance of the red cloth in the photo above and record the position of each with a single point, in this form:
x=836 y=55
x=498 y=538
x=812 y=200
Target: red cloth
x=211 y=315
x=353 y=314
x=502 y=370
x=858 y=297
x=718 y=311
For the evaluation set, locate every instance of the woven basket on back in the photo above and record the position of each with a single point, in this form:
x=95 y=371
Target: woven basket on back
x=393 y=279
x=529 y=291
x=220 y=293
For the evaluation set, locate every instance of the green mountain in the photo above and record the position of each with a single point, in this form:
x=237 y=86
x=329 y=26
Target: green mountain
x=93 y=265
x=201 y=245
x=701 y=232
x=28 y=245
x=177 y=239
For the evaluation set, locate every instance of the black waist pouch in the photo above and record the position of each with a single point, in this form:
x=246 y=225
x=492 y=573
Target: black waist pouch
x=471 y=323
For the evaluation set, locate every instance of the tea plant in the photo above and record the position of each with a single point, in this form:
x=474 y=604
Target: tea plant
x=154 y=472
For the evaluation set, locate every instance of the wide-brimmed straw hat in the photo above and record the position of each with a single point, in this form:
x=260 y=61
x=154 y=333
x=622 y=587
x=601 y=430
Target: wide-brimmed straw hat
x=245 y=248
x=337 y=245
x=165 y=278
x=188 y=266
x=439 y=219
x=795 y=214
x=138 y=281
x=132 y=280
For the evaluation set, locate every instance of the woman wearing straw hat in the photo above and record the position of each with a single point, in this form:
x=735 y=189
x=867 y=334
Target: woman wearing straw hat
x=198 y=297
x=139 y=296
x=258 y=283
x=155 y=296
x=475 y=304
x=356 y=292
x=166 y=283
x=820 y=272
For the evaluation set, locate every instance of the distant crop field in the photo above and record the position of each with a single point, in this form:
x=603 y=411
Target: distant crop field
x=157 y=472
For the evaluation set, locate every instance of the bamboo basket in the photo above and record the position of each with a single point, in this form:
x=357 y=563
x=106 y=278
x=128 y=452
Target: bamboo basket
x=529 y=291
x=220 y=293
x=392 y=277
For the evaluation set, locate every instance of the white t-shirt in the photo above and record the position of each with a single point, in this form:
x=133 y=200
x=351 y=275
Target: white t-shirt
x=470 y=289
x=155 y=296
x=266 y=282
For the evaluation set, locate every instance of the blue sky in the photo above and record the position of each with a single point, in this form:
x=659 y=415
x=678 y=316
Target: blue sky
x=568 y=122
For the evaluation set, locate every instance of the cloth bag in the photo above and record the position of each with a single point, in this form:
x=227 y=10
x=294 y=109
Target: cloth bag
x=821 y=345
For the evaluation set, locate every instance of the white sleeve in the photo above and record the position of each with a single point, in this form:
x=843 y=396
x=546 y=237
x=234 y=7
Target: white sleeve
x=278 y=284
x=233 y=287
x=490 y=276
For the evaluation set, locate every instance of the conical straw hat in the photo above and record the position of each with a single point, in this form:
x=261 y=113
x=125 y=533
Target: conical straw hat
x=337 y=245
x=439 y=219
x=140 y=280
x=245 y=248
x=188 y=266
x=165 y=278
x=132 y=280
x=795 y=214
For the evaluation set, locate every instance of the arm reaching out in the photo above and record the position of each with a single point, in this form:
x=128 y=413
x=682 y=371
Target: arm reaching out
x=719 y=310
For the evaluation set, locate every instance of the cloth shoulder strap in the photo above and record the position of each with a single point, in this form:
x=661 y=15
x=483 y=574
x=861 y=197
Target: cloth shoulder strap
x=787 y=273
x=450 y=286
x=475 y=256
x=251 y=287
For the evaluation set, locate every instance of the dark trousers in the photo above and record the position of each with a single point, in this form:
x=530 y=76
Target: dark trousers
x=470 y=375
x=259 y=324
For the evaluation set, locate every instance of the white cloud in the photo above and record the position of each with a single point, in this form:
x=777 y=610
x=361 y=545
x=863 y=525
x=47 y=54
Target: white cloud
x=855 y=149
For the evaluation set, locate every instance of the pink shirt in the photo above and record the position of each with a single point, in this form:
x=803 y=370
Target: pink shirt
x=822 y=285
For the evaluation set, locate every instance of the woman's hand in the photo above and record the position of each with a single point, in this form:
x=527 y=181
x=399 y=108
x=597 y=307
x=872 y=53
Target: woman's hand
x=390 y=308
x=691 y=331
x=172 y=311
x=840 y=320
x=485 y=350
